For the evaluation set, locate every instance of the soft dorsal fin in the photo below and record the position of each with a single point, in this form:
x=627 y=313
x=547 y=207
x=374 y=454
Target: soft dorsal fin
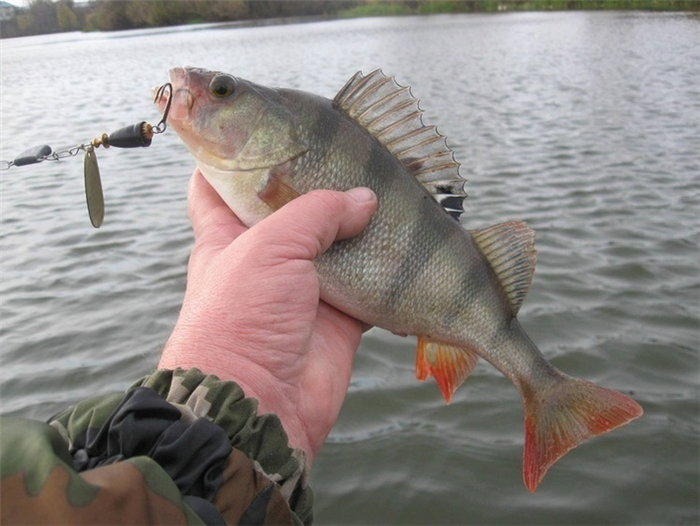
x=392 y=115
x=510 y=249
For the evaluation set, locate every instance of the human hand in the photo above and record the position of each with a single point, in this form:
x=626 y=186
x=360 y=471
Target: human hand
x=252 y=312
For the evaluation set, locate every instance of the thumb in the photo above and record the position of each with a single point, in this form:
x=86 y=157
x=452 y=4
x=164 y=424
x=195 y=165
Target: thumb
x=215 y=225
x=210 y=215
x=305 y=227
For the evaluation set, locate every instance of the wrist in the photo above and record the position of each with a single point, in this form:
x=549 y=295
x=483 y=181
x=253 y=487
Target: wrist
x=257 y=383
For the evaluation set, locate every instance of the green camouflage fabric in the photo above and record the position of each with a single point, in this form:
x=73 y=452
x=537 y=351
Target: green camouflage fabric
x=264 y=480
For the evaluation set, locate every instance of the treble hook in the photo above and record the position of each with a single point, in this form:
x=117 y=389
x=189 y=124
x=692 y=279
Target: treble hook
x=162 y=125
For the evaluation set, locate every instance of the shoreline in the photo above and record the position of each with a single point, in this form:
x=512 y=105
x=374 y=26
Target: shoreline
x=83 y=23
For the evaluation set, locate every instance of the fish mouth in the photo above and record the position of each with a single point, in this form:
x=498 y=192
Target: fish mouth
x=174 y=103
x=162 y=95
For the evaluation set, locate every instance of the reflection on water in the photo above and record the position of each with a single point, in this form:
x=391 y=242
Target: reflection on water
x=586 y=125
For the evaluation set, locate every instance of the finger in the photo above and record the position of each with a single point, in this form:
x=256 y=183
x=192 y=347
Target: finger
x=357 y=219
x=308 y=225
x=212 y=220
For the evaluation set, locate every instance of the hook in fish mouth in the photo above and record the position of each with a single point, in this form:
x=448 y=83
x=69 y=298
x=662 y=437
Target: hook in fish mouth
x=164 y=90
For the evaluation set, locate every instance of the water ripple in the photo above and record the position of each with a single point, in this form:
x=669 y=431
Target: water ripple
x=586 y=125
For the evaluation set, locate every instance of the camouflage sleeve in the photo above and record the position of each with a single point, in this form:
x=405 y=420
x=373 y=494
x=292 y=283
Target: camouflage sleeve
x=180 y=447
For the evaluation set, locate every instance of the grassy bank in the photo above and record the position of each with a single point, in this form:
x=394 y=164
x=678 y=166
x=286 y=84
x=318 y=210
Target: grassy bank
x=390 y=8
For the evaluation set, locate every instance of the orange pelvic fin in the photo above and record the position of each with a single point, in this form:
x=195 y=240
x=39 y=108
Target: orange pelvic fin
x=449 y=365
x=560 y=417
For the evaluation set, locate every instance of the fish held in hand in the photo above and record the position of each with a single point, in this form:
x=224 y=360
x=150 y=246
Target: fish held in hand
x=414 y=269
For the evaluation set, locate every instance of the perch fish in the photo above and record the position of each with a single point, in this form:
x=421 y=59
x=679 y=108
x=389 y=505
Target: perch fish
x=414 y=270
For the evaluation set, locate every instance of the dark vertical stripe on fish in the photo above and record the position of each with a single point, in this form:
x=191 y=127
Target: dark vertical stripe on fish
x=410 y=262
x=319 y=129
x=325 y=130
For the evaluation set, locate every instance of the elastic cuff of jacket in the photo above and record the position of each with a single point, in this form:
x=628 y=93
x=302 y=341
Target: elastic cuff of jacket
x=260 y=437
x=194 y=398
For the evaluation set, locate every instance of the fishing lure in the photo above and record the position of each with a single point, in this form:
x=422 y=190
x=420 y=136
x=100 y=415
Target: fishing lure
x=139 y=135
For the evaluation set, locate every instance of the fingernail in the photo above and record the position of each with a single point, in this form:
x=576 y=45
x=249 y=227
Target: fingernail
x=361 y=194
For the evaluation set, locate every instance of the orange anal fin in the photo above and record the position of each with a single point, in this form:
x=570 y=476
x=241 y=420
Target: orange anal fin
x=561 y=417
x=448 y=364
x=277 y=191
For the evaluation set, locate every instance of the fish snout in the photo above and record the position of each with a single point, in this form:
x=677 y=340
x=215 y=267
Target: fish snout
x=185 y=86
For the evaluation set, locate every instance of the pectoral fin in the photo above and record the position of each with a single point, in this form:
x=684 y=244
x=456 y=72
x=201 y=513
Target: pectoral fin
x=448 y=364
x=277 y=191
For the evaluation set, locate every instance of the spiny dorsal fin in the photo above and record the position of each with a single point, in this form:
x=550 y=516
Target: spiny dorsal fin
x=510 y=249
x=392 y=115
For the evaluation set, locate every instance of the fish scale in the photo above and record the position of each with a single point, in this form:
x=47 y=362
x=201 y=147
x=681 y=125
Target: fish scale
x=414 y=269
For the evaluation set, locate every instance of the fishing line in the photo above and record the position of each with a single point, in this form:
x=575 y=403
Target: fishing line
x=139 y=135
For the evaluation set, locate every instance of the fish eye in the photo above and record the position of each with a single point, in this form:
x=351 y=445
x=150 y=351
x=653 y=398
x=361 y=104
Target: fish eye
x=222 y=86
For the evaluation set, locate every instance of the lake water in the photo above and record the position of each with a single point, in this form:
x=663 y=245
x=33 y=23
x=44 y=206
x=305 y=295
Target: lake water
x=584 y=124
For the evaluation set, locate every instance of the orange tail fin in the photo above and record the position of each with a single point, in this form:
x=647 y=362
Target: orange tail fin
x=562 y=416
